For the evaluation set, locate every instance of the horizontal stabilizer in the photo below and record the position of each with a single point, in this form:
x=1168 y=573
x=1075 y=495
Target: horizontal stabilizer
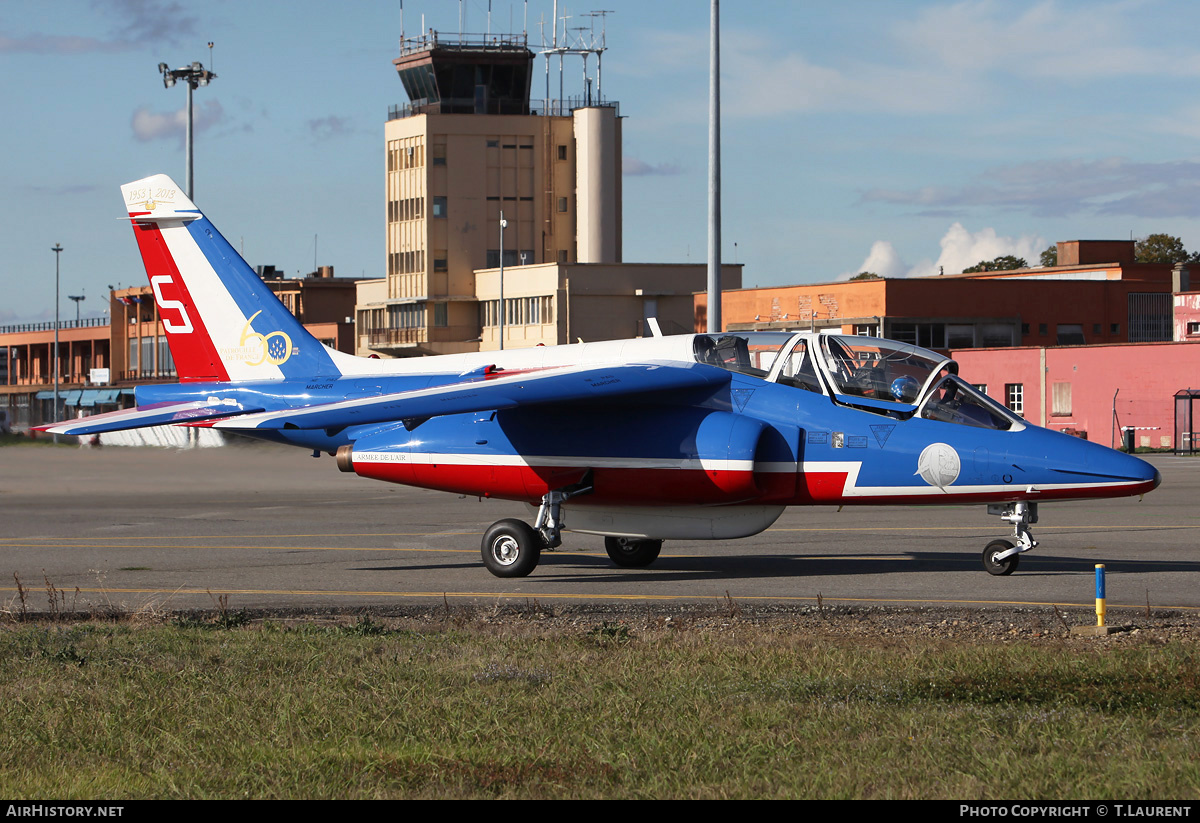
x=562 y=385
x=156 y=414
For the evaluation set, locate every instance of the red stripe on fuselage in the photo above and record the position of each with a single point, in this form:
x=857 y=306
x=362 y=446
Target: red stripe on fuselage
x=195 y=356
x=691 y=486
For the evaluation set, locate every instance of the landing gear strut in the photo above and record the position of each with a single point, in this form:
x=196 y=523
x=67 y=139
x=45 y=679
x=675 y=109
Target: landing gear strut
x=1001 y=557
x=512 y=548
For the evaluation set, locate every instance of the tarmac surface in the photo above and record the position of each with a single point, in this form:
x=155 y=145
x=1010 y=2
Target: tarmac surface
x=267 y=527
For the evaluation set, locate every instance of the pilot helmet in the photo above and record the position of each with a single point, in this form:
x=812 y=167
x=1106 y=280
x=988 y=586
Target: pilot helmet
x=905 y=389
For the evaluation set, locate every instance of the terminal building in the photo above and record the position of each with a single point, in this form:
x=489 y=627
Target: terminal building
x=100 y=360
x=1098 y=294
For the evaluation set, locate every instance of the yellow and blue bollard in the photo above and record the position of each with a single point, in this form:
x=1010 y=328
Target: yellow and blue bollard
x=1100 y=607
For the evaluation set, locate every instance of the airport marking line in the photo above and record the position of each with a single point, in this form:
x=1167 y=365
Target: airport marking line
x=209 y=592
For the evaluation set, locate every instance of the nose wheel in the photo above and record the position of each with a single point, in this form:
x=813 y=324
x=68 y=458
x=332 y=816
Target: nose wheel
x=991 y=558
x=1001 y=557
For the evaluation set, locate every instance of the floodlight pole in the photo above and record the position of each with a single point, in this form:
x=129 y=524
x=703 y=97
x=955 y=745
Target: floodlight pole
x=714 y=172
x=194 y=75
x=77 y=299
x=57 y=254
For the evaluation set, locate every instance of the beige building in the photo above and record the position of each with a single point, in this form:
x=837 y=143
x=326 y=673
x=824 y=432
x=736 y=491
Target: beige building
x=555 y=303
x=466 y=150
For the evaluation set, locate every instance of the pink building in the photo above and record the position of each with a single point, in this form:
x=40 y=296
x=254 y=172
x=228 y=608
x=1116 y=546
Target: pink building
x=1093 y=391
x=1187 y=316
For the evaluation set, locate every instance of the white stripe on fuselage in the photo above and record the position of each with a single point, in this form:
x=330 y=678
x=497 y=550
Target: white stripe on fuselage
x=851 y=469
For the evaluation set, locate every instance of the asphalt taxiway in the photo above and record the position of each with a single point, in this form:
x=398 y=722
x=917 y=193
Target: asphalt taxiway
x=259 y=526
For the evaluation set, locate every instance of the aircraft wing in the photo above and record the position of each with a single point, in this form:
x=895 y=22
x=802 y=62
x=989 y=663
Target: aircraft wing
x=554 y=385
x=156 y=414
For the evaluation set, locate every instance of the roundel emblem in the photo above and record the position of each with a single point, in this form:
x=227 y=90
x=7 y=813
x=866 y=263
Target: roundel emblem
x=939 y=465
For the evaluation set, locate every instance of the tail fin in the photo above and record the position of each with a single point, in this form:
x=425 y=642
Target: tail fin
x=222 y=321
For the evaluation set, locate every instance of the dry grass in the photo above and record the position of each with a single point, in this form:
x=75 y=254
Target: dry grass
x=477 y=704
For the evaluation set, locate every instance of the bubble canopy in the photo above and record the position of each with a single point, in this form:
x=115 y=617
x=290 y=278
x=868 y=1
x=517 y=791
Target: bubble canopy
x=869 y=373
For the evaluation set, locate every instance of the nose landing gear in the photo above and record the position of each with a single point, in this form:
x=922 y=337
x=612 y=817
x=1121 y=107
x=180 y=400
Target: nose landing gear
x=1001 y=557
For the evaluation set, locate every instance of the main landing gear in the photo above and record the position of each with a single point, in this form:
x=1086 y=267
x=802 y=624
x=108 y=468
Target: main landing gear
x=1001 y=557
x=631 y=552
x=512 y=548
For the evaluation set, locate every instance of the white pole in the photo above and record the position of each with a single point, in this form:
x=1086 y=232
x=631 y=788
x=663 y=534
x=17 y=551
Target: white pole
x=503 y=225
x=714 y=173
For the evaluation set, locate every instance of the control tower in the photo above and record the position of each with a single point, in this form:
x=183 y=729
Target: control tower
x=468 y=147
x=481 y=75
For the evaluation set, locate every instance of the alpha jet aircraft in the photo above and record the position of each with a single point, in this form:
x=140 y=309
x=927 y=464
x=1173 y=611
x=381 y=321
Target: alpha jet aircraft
x=698 y=436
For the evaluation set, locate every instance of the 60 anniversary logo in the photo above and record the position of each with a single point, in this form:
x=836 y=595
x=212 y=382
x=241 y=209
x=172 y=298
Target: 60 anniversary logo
x=254 y=349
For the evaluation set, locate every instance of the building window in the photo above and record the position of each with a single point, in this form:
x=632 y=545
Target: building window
x=982 y=387
x=1043 y=330
x=493 y=144
x=997 y=335
x=926 y=335
x=562 y=152
x=512 y=257
x=1060 y=400
x=1014 y=397
x=439 y=206
x=562 y=204
x=1193 y=327
x=439 y=154
x=1115 y=328
x=960 y=336
x=865 y=330
x=440 y=260
x=1096 y=329
x=1150 y=317
x=1024 y=329
x=406 y=316
x=1069 y=334
x=440 y=315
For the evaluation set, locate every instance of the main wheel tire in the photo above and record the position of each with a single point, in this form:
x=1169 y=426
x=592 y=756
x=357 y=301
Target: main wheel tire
x=511 y=548
x=1000 y=567
x=632 y=553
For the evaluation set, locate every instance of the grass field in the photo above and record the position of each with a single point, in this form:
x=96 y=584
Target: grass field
x=515 y=706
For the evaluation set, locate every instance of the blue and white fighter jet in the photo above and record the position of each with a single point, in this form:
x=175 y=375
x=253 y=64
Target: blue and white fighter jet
x=698 y=436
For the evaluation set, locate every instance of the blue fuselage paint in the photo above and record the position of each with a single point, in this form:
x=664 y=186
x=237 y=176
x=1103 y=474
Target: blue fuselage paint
x=767 y=425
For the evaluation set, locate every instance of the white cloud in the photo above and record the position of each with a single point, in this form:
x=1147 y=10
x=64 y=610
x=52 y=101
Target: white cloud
x=324 y=128
x=633 y=167
x=1045 y=40
x=882 y=260
x=1057 y=188
x=150 y=125
x=960 y=249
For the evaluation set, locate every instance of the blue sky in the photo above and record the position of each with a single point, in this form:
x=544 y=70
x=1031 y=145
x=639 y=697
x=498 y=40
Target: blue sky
x=895 y=137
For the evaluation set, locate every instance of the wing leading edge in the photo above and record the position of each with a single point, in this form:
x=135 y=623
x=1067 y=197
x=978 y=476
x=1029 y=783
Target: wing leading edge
x=156 y=414
x=565 y=385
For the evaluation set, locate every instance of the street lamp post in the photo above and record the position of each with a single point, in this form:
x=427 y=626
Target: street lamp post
x=194 y=75
x=57 y=254
x=503 y=226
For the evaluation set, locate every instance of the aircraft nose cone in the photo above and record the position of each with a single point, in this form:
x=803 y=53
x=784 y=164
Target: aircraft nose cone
x=1157 y=478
